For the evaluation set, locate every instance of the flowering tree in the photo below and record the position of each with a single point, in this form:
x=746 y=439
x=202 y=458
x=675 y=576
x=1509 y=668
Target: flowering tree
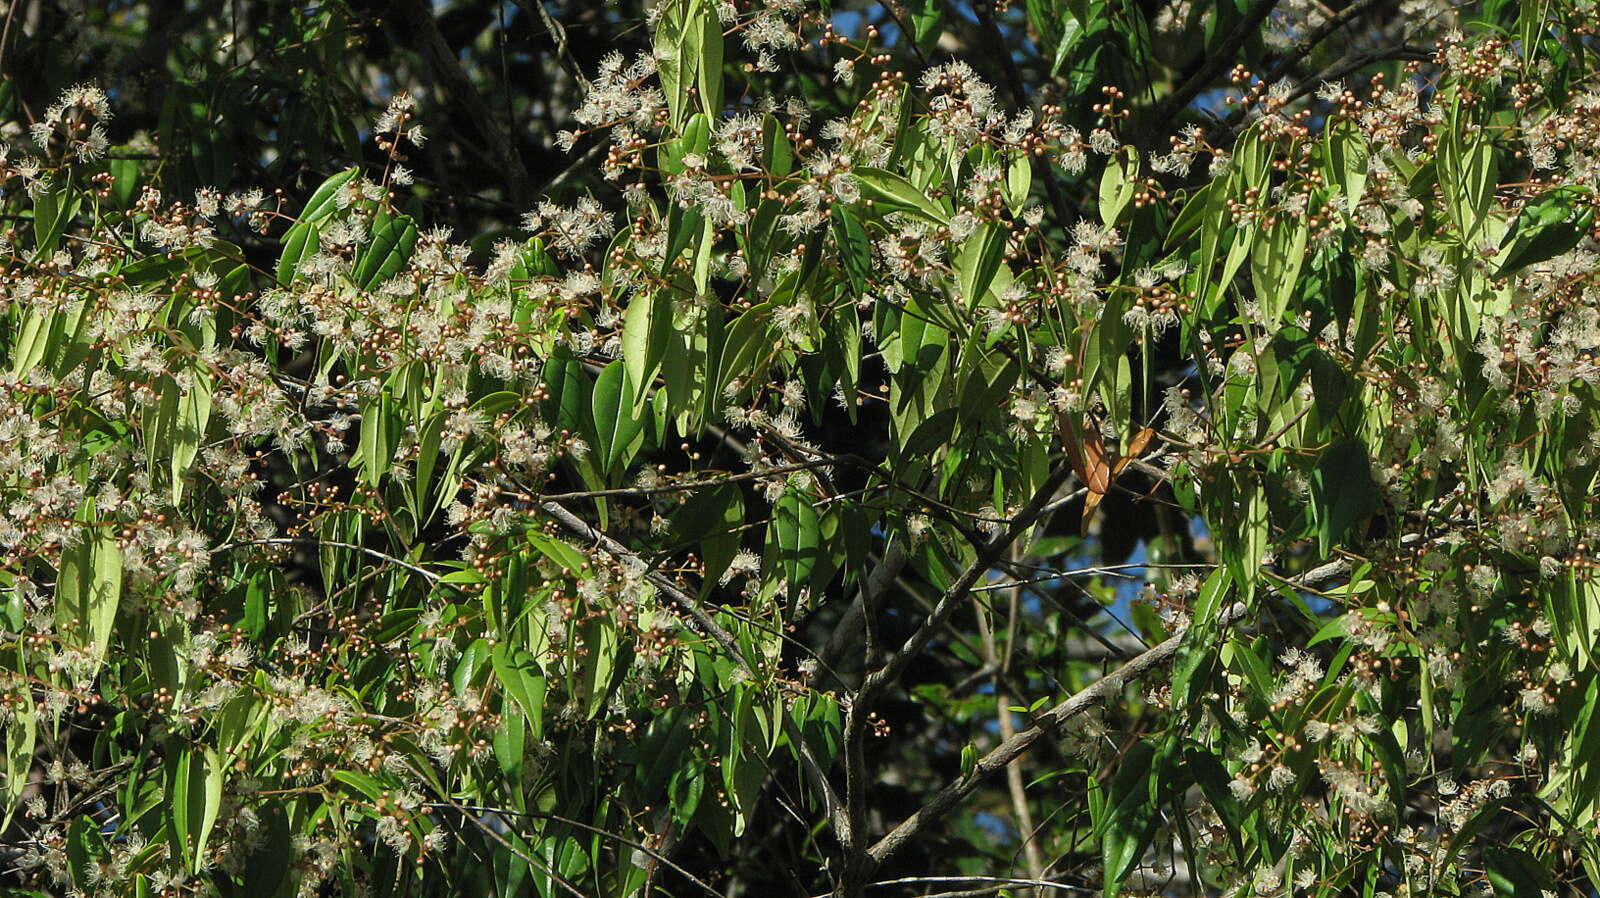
x=1143 y=476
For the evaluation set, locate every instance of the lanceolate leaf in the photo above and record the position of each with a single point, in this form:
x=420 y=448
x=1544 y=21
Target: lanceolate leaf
x=89 y=589
x=393 y=237
x=892 y=193
x=646 y=331
x=1343 y=491
x=1132 y=812
x=1547 y=227
x=616 y=422
x=302 y=238
x=793 y=540
x=1118 y=184
x=193 y=411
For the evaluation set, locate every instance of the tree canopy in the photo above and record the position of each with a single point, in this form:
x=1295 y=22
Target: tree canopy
x=777 y=447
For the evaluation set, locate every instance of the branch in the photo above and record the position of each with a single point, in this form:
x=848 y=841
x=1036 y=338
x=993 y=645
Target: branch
x=637 y=492
x=1008 y=727
x=558 y=35
x=424 y=573
x=1316 y=36
x=603 y=833
x=850 y=624
x=1111 y=684
x=1218 y=61
x=1019 y=97
x=995 y=761
x=999 y=882
x=584 y=163
x=990 y=554
x=690 y=606
x=876 y=682
x=437 y=53
x=1350 y=62
x=489 y=831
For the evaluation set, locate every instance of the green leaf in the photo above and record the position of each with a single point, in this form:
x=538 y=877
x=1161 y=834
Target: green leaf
x=567 y=406
x=855 y=250
x=909 y=336
x=53 y=211
x=646 y=329
x=471 y=665
x=1467 y=179
x=393 y=239
x=1275 y=261
x=90 y=589
x=1072 y=33
x=375 y=448
x=519 y=674
x=1207 y=771
x=1347 y=161
x=777 y=155
x=364 y=785
x=747 y=344
x=704 y=40
x=1196 y=649
x=674 y=69
x=794 y=538
x=927 y=22
x=1516 y=873
x=1132 y=812
x=324 y=200
x=193 y=412
x=299 y=242
x=1019 y=180
x=557 y=551
x=981 y=257
x=601 y=647
x=302 y=238
x=713 y=516
x=194 y=783
x=695 y=139
x=21 y=736
x=1546 y=228
x=1343 y=491
x=1118 y=183
x=1337 y=628
x=617 y=422
x=891 y=193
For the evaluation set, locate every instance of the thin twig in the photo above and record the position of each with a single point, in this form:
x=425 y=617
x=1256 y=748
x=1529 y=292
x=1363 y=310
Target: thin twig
x=999 y=882
x=505 y=843
x=1008 y=729
x=426 y=574
x=988 y=556
x=558 y=34
x=584 y=162
x=690 y=606
x=642 y=491
x=605 y=833
x=1110 y=685
x=1019 y=97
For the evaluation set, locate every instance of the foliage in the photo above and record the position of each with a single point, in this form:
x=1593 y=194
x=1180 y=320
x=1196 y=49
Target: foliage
x=890 y=485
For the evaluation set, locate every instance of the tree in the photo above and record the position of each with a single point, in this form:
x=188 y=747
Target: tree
x=910 y=449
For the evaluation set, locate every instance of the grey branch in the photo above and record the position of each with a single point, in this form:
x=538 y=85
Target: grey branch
x=995 y=761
